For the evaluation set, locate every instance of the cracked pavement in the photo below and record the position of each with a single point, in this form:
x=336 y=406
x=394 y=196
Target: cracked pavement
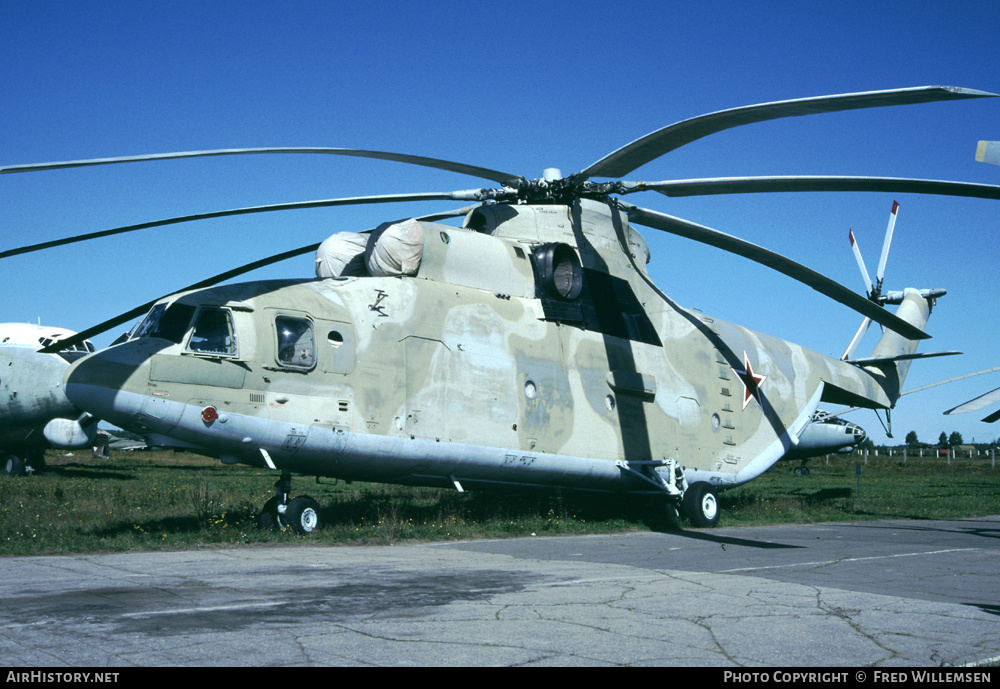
x=906 y=593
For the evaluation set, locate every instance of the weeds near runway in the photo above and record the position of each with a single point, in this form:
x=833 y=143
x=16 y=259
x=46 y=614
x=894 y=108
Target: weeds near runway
x=165 y=500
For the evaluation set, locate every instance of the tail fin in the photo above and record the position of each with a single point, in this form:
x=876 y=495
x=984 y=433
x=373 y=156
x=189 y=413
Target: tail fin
x=893 y=353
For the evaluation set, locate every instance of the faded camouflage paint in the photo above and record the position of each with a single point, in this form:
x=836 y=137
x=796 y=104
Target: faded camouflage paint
x=31 y=394
x=461 y=353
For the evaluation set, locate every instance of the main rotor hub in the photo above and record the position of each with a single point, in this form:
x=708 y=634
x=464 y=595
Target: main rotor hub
x=552 y=187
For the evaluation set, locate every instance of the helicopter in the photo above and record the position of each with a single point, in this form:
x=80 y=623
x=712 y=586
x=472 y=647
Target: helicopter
x=34 y=413
x=526 y=349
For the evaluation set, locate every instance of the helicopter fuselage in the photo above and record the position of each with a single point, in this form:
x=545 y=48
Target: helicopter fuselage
x=485 y=369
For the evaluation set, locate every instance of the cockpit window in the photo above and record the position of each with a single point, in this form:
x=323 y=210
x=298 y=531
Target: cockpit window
x=174 y=323
x=149 y=322
x=296 y=342
x=213 y=333
x=168 y=322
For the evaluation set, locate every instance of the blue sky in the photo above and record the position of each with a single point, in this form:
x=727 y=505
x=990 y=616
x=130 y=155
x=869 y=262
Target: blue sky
x=515 y=86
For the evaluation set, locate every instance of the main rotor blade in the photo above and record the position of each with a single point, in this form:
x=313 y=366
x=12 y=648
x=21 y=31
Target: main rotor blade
x=977 y=403
x=766 y=257
x=467 y=195
x=653 y=145
x=462 y=168
x=952 y=380
x=988 y=152
x=769 y=184
x=140 y=310
x=208 y=282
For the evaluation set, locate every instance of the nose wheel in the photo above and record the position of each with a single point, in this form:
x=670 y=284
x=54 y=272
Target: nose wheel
x=301 y=514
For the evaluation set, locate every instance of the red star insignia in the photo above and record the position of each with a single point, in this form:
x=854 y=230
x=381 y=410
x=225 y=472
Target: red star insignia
x=752 y=382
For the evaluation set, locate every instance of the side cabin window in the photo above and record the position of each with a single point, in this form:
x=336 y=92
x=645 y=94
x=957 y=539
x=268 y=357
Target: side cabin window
x=296 y=342
x=213 y=333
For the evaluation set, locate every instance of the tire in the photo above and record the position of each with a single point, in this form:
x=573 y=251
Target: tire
x=269 y=519
x=701 y=505
x=14 y=466
x=303 y=515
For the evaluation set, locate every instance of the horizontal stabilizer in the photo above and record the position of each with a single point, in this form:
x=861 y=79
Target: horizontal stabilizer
x=877 y=360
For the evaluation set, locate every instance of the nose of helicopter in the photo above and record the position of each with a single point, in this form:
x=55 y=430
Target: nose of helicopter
x=101 y=383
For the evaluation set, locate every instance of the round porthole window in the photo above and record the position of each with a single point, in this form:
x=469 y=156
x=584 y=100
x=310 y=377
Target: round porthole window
x=530 y=389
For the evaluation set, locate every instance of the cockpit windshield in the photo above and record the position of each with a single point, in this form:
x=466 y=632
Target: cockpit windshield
x=169 y=322
x=149 y=322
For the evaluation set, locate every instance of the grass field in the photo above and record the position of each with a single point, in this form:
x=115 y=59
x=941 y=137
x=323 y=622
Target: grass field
x=164 y=500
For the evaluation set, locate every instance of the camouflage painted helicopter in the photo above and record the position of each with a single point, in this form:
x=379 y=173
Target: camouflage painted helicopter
x=527 y=348
x=34 y=413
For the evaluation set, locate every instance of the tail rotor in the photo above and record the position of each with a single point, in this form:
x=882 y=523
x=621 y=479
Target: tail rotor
x=874 y=289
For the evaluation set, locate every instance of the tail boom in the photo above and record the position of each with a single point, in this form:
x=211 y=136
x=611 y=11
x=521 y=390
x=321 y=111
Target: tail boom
x=876 y=381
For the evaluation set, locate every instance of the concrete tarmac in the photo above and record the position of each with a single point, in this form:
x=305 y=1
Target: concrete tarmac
x=889 y=593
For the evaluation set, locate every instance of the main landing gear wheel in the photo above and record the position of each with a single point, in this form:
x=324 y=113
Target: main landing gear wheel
x=13 y=465
x=701 y=505
x=301 y=514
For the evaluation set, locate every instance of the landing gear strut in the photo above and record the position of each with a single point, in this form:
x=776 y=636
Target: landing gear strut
x=301 y=514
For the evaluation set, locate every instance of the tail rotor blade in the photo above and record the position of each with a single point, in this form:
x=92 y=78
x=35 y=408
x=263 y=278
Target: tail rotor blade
x=858 y=336
x=880 y=273
x=861 y=262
